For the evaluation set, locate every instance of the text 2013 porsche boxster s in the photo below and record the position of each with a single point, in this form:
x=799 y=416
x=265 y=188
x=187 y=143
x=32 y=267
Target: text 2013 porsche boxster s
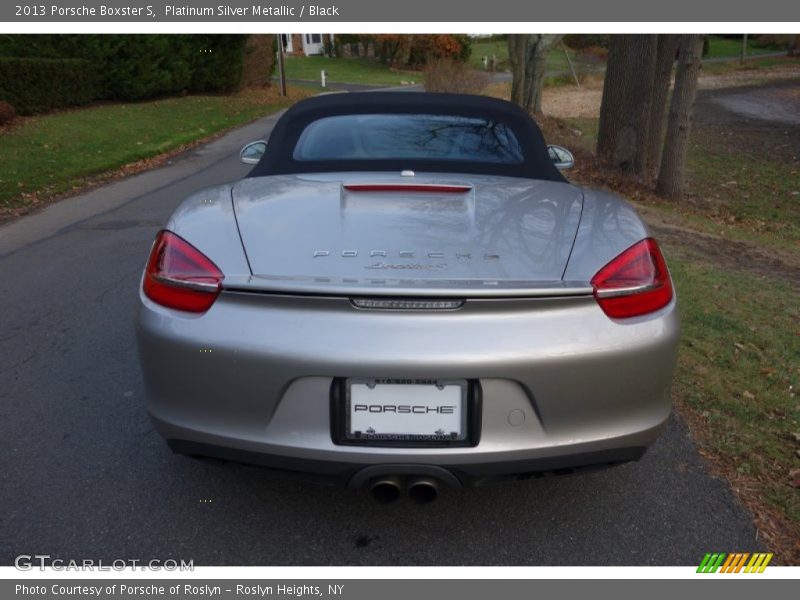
x=406 y=292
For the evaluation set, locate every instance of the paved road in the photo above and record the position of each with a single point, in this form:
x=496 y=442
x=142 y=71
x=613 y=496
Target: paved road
x=776 y=103
x=82 y=474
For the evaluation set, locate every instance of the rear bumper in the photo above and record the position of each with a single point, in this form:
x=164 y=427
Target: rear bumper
x=250 y=381
x=356 y=475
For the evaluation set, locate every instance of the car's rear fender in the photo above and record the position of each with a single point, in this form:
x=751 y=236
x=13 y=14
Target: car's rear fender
x=608 y=226
x=207 y=221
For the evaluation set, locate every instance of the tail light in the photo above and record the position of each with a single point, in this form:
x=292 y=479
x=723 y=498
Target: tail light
x=635 y=283
x=179 y=276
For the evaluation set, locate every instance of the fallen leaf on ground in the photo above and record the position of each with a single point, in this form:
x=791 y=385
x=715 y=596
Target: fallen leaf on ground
x=794 y=478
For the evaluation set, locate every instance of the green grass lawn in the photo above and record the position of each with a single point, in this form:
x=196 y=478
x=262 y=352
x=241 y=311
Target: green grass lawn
x=481 y=48
x=50 y=154
x=739 y=364
x=556 y=60
x=347 y=70
x=369 y=71
x=757 y=190
x=719 y=47
x=739 y=370
x=752 y=64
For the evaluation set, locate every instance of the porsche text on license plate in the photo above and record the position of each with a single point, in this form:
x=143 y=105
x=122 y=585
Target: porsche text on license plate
x=406 y=410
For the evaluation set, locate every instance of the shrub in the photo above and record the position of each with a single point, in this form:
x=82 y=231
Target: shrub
x=594 y=53
x=137 y=67
x=216 y=62
x=790 y=43
x=466 y=47
x=7 y=113
x=581 y=41
x=347 y=44
x=393 y=48
x=425 y=48
x=259 y=61
x=35 y=85
x=449 y=75
x=416 y=50
x=69 y=70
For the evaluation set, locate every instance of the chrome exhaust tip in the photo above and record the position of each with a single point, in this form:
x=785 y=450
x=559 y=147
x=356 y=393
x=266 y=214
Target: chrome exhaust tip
x=423 y=491
x=385 y=489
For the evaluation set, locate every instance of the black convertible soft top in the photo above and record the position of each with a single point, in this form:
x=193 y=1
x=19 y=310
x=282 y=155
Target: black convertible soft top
x=279 y=158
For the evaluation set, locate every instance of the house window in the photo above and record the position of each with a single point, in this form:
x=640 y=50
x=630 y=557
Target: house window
x=313 y=38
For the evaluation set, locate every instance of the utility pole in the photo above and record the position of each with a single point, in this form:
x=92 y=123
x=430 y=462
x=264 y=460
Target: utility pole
x=281 y=70
x=744 y=49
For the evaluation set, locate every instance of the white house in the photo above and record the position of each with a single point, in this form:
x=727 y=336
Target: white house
x=307 y=44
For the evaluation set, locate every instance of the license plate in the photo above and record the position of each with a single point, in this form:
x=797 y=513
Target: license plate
x=406 y=410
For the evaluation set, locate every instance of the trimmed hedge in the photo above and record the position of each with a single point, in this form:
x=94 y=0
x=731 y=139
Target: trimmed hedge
x=33 y=85
x=44 y=72
x=138 y=67
x=216 y=62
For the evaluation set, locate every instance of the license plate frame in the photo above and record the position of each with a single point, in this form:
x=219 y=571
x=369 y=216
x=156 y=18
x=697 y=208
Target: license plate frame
x=340 y=415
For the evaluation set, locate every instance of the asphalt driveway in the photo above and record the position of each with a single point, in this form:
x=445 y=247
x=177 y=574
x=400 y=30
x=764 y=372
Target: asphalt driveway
x=83 y=474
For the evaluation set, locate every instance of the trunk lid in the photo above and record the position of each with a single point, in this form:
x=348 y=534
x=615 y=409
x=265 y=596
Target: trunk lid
x=371 y=233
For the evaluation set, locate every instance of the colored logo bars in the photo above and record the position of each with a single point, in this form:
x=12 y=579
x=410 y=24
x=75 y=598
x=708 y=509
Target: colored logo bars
x=734 y=563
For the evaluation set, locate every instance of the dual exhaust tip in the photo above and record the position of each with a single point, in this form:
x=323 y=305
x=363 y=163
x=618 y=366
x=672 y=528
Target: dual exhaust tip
x=421 y=490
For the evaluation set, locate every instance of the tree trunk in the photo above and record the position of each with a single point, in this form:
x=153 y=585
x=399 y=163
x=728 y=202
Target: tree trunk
x=528 y=57
x=627 y=99
x=672 y=175
x=534 y=98
x=529 y=71
x=517 y=45
x=665 y=58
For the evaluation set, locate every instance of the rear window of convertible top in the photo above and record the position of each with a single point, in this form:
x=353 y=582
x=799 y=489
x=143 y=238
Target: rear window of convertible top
x=408 y=136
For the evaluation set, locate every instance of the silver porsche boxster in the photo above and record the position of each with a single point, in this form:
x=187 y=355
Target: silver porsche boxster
x=405 y=293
